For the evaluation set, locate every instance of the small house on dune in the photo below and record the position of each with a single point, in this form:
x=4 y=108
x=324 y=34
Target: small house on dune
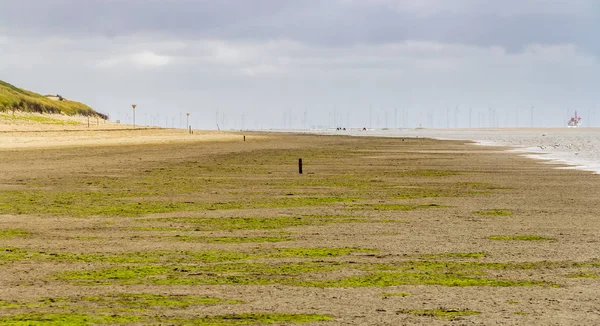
x=55 y=97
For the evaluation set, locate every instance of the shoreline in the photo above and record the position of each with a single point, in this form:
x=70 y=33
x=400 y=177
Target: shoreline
x=556 y=146
x=538 y=144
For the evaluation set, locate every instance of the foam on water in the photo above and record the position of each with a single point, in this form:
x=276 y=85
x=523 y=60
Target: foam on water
x=579 y=148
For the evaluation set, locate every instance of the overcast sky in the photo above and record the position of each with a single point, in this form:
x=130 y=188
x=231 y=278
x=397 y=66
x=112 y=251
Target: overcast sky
x=271 y=63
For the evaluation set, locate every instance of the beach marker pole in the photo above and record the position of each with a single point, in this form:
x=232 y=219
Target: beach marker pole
x=88 y=121
x=244 y=137
x=300 y=165
x=134 y=106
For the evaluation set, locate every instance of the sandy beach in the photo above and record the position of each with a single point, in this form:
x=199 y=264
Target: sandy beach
x=162 y=227
x=37 y=131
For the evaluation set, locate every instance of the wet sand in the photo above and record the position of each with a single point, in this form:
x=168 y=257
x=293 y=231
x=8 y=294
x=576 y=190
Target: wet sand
x=377 y=231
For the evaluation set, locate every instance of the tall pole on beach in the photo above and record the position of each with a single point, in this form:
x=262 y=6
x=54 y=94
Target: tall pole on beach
x=134 y=106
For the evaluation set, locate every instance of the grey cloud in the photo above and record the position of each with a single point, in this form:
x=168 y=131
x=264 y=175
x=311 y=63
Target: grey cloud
x=264 y=57
x=511 y=24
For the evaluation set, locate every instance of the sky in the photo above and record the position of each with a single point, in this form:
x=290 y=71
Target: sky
x=256 y=64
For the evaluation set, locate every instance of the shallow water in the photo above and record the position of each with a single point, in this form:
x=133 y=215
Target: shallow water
x=577 y=147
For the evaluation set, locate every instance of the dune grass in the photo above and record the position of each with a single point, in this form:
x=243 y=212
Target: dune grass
x=37 y=119
x=16 y=99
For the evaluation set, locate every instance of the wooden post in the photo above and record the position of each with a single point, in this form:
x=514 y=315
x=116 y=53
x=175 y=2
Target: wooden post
x=88 y=121
x=244 y=137
x=300 y=165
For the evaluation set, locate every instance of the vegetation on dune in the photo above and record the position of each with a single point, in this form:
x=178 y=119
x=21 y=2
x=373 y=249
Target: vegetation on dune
x=37 y=119
x=15 y=99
